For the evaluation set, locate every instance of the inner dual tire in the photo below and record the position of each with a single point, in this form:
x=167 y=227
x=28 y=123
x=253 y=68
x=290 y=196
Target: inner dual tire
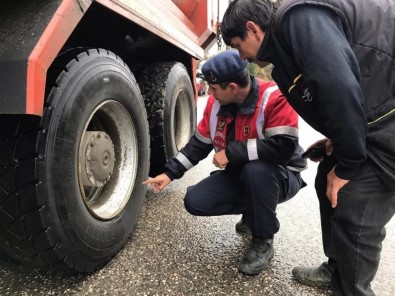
x=169 y=99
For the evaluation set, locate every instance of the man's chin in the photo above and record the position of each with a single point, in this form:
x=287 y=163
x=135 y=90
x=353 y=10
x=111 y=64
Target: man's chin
x=261 y=64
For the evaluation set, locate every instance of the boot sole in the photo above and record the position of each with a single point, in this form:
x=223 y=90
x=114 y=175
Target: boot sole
x=257 y=271
x=253 y=272
x=311 y=283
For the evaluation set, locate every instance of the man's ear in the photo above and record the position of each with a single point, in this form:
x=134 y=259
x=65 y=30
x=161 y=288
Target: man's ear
x=253 y=28
x=233 y=87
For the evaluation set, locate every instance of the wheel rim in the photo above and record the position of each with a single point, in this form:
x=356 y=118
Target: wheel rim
x=107 y=161
x=182 y=120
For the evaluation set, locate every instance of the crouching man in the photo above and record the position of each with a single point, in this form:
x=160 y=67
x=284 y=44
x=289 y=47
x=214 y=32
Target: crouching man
x=254 y=133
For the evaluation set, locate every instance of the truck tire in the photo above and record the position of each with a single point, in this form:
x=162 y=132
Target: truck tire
x=169 y=99
x=72 y=180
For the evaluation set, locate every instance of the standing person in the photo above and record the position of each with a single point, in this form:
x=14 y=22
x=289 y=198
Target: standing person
x=334 y=60
x=254 y=133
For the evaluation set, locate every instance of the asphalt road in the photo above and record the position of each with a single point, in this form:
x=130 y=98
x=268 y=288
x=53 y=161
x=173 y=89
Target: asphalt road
x=174 y=253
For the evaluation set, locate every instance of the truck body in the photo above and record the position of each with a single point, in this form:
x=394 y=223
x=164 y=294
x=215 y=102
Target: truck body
x=95 y=96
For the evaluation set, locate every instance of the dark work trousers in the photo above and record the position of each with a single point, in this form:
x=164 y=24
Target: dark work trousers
x=353 y=232
x=254 y=190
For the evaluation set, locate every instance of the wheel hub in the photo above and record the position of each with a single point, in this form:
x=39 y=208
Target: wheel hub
x=97 y=158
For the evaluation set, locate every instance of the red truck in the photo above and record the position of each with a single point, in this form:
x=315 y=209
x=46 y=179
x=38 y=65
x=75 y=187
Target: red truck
x=95 y=95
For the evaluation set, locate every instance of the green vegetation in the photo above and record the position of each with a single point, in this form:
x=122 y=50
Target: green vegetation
x=261 y=73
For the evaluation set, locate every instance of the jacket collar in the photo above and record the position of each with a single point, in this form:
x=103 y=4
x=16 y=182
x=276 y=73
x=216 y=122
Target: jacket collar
x=267 y=51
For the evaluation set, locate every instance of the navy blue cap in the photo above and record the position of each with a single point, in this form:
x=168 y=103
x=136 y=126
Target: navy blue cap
x=224 y=67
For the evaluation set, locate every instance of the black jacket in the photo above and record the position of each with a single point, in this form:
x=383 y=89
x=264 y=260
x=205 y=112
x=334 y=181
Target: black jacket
x=334 y=61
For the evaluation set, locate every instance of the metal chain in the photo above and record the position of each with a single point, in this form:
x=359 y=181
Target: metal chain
x=219 y=37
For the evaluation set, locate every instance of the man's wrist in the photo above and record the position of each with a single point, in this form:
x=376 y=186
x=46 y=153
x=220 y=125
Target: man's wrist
x=170 y=175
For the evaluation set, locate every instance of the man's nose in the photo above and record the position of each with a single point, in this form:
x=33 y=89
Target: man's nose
x=242 y=56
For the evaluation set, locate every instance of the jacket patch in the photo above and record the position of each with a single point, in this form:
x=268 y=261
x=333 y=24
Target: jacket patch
x=307 y=95
x=246 y=130
x=221 y=125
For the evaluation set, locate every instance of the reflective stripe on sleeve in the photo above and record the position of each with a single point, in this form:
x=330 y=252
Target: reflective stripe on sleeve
x=202 y=138
x=252 y=149
x=282 y=130
x=184 y=161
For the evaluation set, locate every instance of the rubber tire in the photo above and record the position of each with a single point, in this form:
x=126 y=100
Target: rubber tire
x=169 y=98
x=43 y=221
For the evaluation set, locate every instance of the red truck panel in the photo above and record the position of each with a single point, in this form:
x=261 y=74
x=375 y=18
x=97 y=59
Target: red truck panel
x=51 y=41
x=187 y=26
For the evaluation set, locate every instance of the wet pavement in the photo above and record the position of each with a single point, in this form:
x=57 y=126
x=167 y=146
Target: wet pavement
x=174 y=253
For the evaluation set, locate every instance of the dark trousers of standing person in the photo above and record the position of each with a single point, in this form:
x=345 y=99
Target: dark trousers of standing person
x=253 y=190
x=352 y=233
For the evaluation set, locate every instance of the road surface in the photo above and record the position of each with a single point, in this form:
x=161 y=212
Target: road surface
x=174 y=253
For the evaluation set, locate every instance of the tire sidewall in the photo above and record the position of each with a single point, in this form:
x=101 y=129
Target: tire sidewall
x=87 y=237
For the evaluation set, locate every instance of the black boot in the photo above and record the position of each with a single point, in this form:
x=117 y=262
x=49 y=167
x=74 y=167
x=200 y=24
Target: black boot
x=242 y=226
x=257 y=257
x=315 y=276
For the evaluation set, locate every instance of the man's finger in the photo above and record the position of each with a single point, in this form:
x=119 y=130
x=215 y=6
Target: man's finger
x=149 y=181
x=333 y=199
x=331 y=192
